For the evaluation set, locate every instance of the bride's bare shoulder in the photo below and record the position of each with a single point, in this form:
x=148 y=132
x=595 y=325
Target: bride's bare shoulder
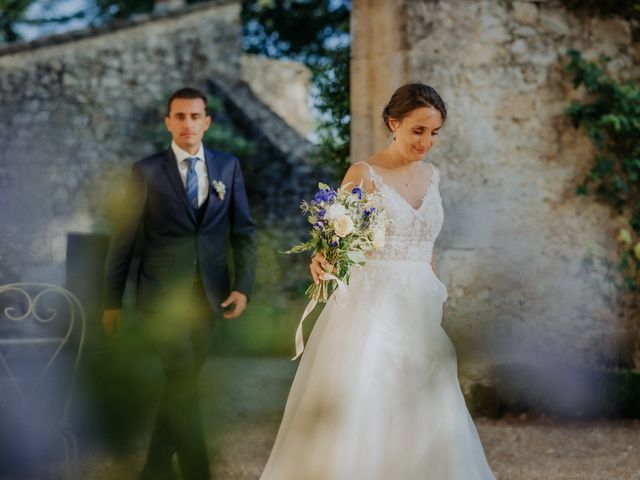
x=357 y=173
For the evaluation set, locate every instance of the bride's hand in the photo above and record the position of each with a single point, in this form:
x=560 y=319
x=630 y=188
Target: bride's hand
x=319 y=265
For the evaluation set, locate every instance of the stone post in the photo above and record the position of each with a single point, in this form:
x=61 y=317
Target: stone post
x=378 y=67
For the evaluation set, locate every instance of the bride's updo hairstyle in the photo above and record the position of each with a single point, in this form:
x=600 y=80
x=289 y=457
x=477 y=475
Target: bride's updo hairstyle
x=409 y=97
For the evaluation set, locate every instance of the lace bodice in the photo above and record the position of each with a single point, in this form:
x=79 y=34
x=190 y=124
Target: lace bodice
x=412 y=231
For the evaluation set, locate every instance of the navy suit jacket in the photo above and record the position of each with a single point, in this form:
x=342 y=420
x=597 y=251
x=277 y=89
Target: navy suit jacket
x=178 y=242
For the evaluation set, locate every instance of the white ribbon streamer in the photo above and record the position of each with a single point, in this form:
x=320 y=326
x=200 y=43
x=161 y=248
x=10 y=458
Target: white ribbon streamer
x=310 y=306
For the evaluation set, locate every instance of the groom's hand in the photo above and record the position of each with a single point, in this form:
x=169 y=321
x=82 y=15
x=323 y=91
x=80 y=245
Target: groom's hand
x=111 y=321
x=239 y=302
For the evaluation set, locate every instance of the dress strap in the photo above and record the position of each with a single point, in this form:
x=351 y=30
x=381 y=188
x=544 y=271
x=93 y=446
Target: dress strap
x=435 y=176
x=377 y=179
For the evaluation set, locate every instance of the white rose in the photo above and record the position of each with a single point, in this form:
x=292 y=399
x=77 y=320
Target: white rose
x=343 y=225
x=334 y=211
x=378 y=239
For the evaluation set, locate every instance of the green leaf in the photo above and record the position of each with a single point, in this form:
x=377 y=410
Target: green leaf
x=356 y=256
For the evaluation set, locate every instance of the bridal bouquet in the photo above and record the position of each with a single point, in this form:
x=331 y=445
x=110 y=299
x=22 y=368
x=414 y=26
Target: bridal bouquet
x=346 y=225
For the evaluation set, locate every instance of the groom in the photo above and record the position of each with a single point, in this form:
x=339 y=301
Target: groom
x=184 y=204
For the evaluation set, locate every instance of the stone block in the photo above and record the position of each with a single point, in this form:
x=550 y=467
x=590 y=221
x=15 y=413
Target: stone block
x=284 y=86
x=555 y=22
x=525 y=13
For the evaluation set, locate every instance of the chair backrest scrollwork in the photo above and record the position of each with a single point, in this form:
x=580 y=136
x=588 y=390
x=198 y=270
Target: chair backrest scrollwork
x=42 y=333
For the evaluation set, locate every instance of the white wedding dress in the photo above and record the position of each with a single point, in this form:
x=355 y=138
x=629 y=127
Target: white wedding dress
x=376 y=395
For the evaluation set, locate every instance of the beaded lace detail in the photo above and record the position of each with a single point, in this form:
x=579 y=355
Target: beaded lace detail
x=412 y=231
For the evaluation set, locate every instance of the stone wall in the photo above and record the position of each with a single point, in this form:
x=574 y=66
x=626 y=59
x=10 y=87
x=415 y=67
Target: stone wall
x=75 y=115
x=516 y=241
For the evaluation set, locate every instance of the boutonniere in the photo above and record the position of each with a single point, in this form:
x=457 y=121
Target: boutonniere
x=219 y=187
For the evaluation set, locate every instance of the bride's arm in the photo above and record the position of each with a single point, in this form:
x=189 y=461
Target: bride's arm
x=434 y=264
x=357 y=173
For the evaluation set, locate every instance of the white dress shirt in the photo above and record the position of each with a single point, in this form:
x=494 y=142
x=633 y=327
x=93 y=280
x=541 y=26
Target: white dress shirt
x=201 y=170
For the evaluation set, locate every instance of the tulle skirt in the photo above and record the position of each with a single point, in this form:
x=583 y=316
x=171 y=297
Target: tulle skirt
x=376 y=395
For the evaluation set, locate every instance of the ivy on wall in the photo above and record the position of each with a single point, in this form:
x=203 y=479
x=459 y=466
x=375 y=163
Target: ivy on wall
x=610 y=116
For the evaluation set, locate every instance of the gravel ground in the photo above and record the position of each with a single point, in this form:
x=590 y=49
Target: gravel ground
x=243 y=422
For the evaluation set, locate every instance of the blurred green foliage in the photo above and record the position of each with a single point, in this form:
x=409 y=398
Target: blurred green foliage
x=121 y=377
x=121 y=9
x=120 y=381
x=610 y=116
x=316 y=33
x=268 y=325
x=333 y=101
x=13 y=13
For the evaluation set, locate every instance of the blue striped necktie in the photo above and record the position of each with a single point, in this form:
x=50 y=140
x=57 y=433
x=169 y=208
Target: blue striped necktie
x=192 y=183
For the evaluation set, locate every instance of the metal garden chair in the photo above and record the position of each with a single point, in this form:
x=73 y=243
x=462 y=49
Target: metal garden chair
x=42 y=333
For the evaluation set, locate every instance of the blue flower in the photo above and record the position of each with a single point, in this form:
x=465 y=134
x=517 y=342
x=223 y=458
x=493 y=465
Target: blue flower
x=324 y=195
x=368 y=212
x=333 y=244
x=321 y=212
x=357 y=191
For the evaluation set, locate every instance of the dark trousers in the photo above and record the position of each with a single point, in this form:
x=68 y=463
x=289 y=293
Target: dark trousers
x=181 y=332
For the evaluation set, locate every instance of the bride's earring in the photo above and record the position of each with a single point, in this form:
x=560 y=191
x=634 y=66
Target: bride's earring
x=394 y=136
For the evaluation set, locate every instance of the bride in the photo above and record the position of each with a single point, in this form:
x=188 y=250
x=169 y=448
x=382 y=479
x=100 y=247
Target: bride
x=376 y=395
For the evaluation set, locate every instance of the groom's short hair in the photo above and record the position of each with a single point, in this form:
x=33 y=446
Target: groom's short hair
x=188 y=92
